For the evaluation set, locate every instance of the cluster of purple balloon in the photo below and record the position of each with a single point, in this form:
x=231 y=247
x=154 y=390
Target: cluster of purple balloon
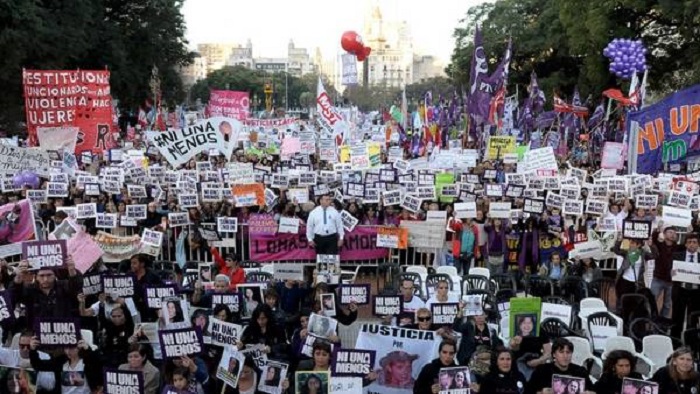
x=626 y=57
x=26 y=178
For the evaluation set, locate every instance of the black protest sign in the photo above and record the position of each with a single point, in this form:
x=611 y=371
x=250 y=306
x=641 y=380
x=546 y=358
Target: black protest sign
x=155 y=295
x=444 y=313
x=358 y=294
x=55 y=332
x=117 y=286
x=45 y=254
x=122 y=382
x=352 y=362
x=180 y=342
x=223 y=333
x=6 y=309
x=387 y=305
x=92 y=284
x=232 y=300
x=636 y=229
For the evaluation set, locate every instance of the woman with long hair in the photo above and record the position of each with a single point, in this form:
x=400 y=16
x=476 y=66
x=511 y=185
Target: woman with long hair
x=503 y=377
x=117 y=329
x=678 y=376
x=620 y=364
x=262 y=330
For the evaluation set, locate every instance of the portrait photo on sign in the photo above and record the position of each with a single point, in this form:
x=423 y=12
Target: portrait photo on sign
x=16 y=225
x=272 y=377
x=568 y=385
x=396 y=370
x=205 y=273
x=328 y=304
x=252 y=297
x=526 y=324
x=636 y=386
x=315 y=382
x=18 y=380
x=322 y=326
x=454 y=379
x=174 y=313
x=231 y=366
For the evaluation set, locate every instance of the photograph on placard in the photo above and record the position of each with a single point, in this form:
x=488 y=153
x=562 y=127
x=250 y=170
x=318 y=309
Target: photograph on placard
x=174 y=313
x=252 y=297
x=328 y=304
x=322 y=326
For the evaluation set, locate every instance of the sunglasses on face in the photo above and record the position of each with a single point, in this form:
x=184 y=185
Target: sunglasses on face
x=424 y=318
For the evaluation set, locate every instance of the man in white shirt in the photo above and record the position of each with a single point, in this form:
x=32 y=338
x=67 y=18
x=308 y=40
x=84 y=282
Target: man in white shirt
x=324 y=228
x=411 y=303
x=20 y=359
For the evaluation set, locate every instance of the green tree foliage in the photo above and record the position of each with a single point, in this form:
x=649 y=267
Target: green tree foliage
x=128 y=37
x=253 y=81
x=563 y=41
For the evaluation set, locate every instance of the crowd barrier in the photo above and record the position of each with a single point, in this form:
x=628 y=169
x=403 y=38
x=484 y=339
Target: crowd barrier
x=239 y=242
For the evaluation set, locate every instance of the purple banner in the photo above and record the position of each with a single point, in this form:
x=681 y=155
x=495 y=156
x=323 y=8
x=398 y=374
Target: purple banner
x=668 y=130
x=122 y=382
x=54 y=332
x=6 y=310
x=359 y=244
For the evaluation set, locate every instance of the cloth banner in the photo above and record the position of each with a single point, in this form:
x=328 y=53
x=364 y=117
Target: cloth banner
x=668 y=130
x=229 y=104
x=349 y=69
x=16 y=225
x=359 y=244
x=397 y=346
x=80 y=98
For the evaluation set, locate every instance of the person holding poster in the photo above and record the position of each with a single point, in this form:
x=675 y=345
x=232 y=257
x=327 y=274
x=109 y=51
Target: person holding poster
x=427 y=381
x=562 y=350
x=630 y=275
x=503 y=377
x=619 y=365
x=78 y=368
x=47 y=296
x=263 y=330
x=475 y=332
x=324 y=227
x=138 y=362
x=679 y=375
x=686 y=296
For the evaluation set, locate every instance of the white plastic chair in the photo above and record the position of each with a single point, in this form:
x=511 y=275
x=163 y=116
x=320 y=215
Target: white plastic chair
x=422 y=271
x=623 y=343
x=480 y=271
x=592 y=303
x=583 y=353
x=656 y=348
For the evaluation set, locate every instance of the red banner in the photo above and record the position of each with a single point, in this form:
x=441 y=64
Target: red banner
x=229 y=104
x=81 y=98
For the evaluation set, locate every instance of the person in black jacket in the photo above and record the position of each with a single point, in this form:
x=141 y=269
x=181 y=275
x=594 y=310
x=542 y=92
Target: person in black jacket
x=562 y=350
x=77 y=367
x=504 y=377
x=620 y=364
x=427 y=381
x=679 y=376
x=47 y=297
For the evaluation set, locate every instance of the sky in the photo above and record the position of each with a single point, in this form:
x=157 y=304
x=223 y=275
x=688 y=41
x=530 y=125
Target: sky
x=270 y=24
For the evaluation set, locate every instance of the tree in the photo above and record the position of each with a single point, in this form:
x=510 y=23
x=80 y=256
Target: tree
x=563 y=40
x=372 y=98
x=126 y=37
x=437 y=86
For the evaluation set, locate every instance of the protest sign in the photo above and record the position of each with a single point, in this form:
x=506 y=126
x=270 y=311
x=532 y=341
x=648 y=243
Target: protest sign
x=7 y=312
x=226 y=224
x=352 y=362
x=288 y=225
x=232 y=300
x=92 y=284
x=685 y=272
x=118 y=381
x=444 y=313
x=45 y=254
x=424 y=234
x=231 y=366
x=257 y=353
x=249 y=194
x=387 y=305
x=273 y=375
x=180 y=342
x=646 y=201
x=358 y=294
x=636 y=229
x=288 y=271
x=223 y=333
x=533 y=206
x=676 y=216
x=153 y=238
x=303 y=381
x=414 y=348
x=57 y=332
x=640 y=386
x=392 y=237
x=524 y=316
x=155 y=295
x=556 y=311
x=117 y=286
x=178 y=146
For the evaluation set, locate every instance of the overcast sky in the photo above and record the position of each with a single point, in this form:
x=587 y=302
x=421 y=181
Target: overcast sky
x=270 y=24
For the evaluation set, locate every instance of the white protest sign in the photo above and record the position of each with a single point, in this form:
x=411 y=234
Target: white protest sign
x=685 y=272
x=288 y=225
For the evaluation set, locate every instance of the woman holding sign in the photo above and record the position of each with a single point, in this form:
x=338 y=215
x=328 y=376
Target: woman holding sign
x=78 y=368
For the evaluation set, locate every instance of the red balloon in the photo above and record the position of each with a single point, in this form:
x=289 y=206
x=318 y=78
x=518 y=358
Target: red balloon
x=351 y=42
x=363 y=54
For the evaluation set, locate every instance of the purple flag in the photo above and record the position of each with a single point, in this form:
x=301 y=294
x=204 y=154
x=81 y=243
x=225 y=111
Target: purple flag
x=479 y=88
x=546 y=120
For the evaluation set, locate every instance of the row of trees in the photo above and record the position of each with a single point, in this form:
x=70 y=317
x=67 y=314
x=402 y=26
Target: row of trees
x=128 y=37
x=563 y=41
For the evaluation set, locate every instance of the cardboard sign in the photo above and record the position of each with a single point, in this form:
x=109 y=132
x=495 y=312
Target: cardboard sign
x=444 y=313
x=122 y=382
x=118 y=285
x=223 y=333
x=45 y=254
x=352 y=362
x=387 y=305
x=533 y=206
x=392 y=237
x=54 y=332
x=155 y=295
x=636 y=229
x=685 y=272
x=180 y=342
x=358 y=294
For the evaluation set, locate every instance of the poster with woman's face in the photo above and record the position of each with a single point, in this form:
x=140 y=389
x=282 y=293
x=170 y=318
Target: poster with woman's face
x=17 y=380
x=322 y=326
x=328 y=304
x=173 y=313
x=315 y=382
x=272 y=377
x=252 y=298
x=636 y=386
x=526 y=325
x=568 y=385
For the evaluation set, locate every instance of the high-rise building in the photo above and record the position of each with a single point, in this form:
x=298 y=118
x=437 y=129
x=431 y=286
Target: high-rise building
x=194 y=72
x=241 y=55
x=299 y=61
x=215 y=54
x=426 y=67
x=391 y=60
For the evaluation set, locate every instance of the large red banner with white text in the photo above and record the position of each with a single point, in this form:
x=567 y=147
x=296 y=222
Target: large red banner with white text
x=81 y=98
x=229 y=104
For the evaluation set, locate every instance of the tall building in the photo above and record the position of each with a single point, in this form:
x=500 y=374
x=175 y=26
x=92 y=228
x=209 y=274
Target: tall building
x=241 y=55
x=391 y=60
x=299 y=61
x=194 y=72
x=216 y=54
x=426 y=67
